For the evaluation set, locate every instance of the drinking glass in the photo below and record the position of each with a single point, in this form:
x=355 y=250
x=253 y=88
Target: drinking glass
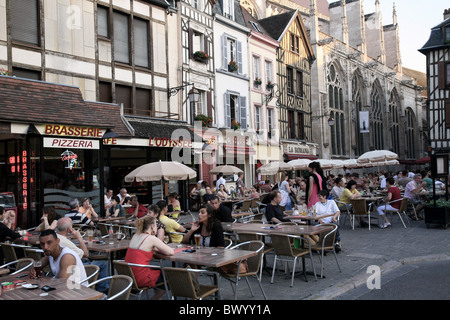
x=197 y=240
x=90 y=234
x=37 y=269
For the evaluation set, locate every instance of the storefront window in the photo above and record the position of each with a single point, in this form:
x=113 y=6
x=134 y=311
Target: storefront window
x=68 y=174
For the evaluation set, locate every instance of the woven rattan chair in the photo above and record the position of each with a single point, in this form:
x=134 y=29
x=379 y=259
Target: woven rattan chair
x=326 y=243
x=254 y=266
x=19 y=265
x=360 y=208
x=91 y=272
x=124 y=268
x=402 y=209
x=181 y=283
x=285 y=252
x=119 y=287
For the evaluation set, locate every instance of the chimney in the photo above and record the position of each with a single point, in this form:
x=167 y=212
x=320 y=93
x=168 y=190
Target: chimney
x=446 y=14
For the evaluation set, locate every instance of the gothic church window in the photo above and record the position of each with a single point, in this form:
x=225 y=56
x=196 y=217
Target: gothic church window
x=336 y=104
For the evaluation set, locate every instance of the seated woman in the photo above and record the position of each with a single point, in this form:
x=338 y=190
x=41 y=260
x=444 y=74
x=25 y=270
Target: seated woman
x=325 y=207
x=116 y=209
x=171 y=224
x=348 y=194
x=155 y=212
x=49 y=219
x=87 y=209
x=174 y=204
x=255 y=192
x=222 y=193
x=140 y=251
x=209 y=228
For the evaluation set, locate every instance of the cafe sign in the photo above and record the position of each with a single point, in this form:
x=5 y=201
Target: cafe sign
x=297 y=149
x=70 y=131
x=71 y=143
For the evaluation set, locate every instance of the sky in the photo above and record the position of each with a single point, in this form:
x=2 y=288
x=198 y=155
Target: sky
x=415 y=19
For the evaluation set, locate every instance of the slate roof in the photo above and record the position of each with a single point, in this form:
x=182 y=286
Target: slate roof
x=275 y=25
x=150 y=129
x=436 y=39
x=30 y=101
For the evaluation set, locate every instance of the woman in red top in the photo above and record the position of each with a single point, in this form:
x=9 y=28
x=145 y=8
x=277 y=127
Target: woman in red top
x=140 y=251
x=393 y=194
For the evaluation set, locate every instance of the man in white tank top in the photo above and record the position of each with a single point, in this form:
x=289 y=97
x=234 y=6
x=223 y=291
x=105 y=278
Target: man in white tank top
x=63 y=261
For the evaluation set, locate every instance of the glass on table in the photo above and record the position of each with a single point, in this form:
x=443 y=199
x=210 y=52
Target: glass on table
x=197 y=240
x=37 y=269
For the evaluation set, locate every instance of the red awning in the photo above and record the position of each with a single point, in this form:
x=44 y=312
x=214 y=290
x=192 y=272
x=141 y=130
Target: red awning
x=423 y=160
x=293 y=156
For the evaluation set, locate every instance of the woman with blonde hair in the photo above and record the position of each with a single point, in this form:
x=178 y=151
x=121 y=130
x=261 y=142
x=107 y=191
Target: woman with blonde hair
x=140 y=251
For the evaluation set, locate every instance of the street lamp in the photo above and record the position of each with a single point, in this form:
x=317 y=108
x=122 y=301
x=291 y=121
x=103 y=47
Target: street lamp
x=193 y=95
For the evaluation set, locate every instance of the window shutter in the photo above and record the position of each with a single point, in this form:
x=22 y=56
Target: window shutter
x=25 y=21
x=224 y=53
x=447 y=113
x=239 y=56
x=227 y=110
x=441 y=75
x=121 y=38
x=243 y=112
x=141 y=43
x=191 y=43
x=209 y=104
x=102 y=17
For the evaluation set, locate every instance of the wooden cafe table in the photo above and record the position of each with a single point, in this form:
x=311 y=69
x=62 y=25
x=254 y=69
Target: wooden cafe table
x=61 y=292
x=108 y=248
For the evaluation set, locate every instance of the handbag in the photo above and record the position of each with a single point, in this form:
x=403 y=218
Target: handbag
x=232 y=268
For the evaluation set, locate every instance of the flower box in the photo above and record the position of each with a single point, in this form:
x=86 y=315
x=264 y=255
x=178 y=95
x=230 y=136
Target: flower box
x=233 y=66
x=257 y=82
x=206 y=121
x=438 y=214
x=201 y=56
x=270 y=85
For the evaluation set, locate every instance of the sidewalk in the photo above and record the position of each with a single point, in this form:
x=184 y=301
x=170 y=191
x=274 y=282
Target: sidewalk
x=388 y=249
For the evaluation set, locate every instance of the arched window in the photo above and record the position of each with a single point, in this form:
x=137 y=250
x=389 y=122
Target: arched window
x=377 y=117
x=357 y=100
x=336 y=104
x=410 y=134
x=394 y=125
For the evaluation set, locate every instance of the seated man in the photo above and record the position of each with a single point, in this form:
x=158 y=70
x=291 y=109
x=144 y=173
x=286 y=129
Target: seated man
x=223 y=213
x=412 y=190
x=393 y=194
x=274 y=212
x=64 y=227
x=76 y=216
x=63 y=261
x=136 y=209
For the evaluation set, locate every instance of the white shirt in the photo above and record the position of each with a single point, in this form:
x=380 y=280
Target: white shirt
x=77 y=274
x=221 y=181
x=324 y=209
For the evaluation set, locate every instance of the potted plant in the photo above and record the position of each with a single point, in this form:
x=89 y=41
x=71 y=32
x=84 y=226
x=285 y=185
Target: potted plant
x=206 y=121
x=232 y=66
x=201 y=56
x=269 y=85
x=257 y=81
x=4 y=72
x=437 y=212
x=235 y=125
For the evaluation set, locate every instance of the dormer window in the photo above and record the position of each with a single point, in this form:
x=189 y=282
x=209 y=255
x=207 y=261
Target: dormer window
x=228 y=9
x=447 y=34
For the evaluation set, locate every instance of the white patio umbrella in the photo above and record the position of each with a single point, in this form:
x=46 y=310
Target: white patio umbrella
x=299 y=164
x=338 y=164
x=325 y=164
x=351 y=163
x=274 y=167
x=159 y=171
x=225 y=169
x=377 y=156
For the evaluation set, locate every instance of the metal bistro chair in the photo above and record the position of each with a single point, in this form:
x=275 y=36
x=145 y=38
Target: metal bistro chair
x=360 y=208
x=36 y=254
x=20 y=265
x=254 y=266
x=326 y=243
x=285 y=252
x=124 y=268
x=181 y=283
x=344 y=208
x=119 y=287
x=91 y=272
x=402 y=209
x=9 y=251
